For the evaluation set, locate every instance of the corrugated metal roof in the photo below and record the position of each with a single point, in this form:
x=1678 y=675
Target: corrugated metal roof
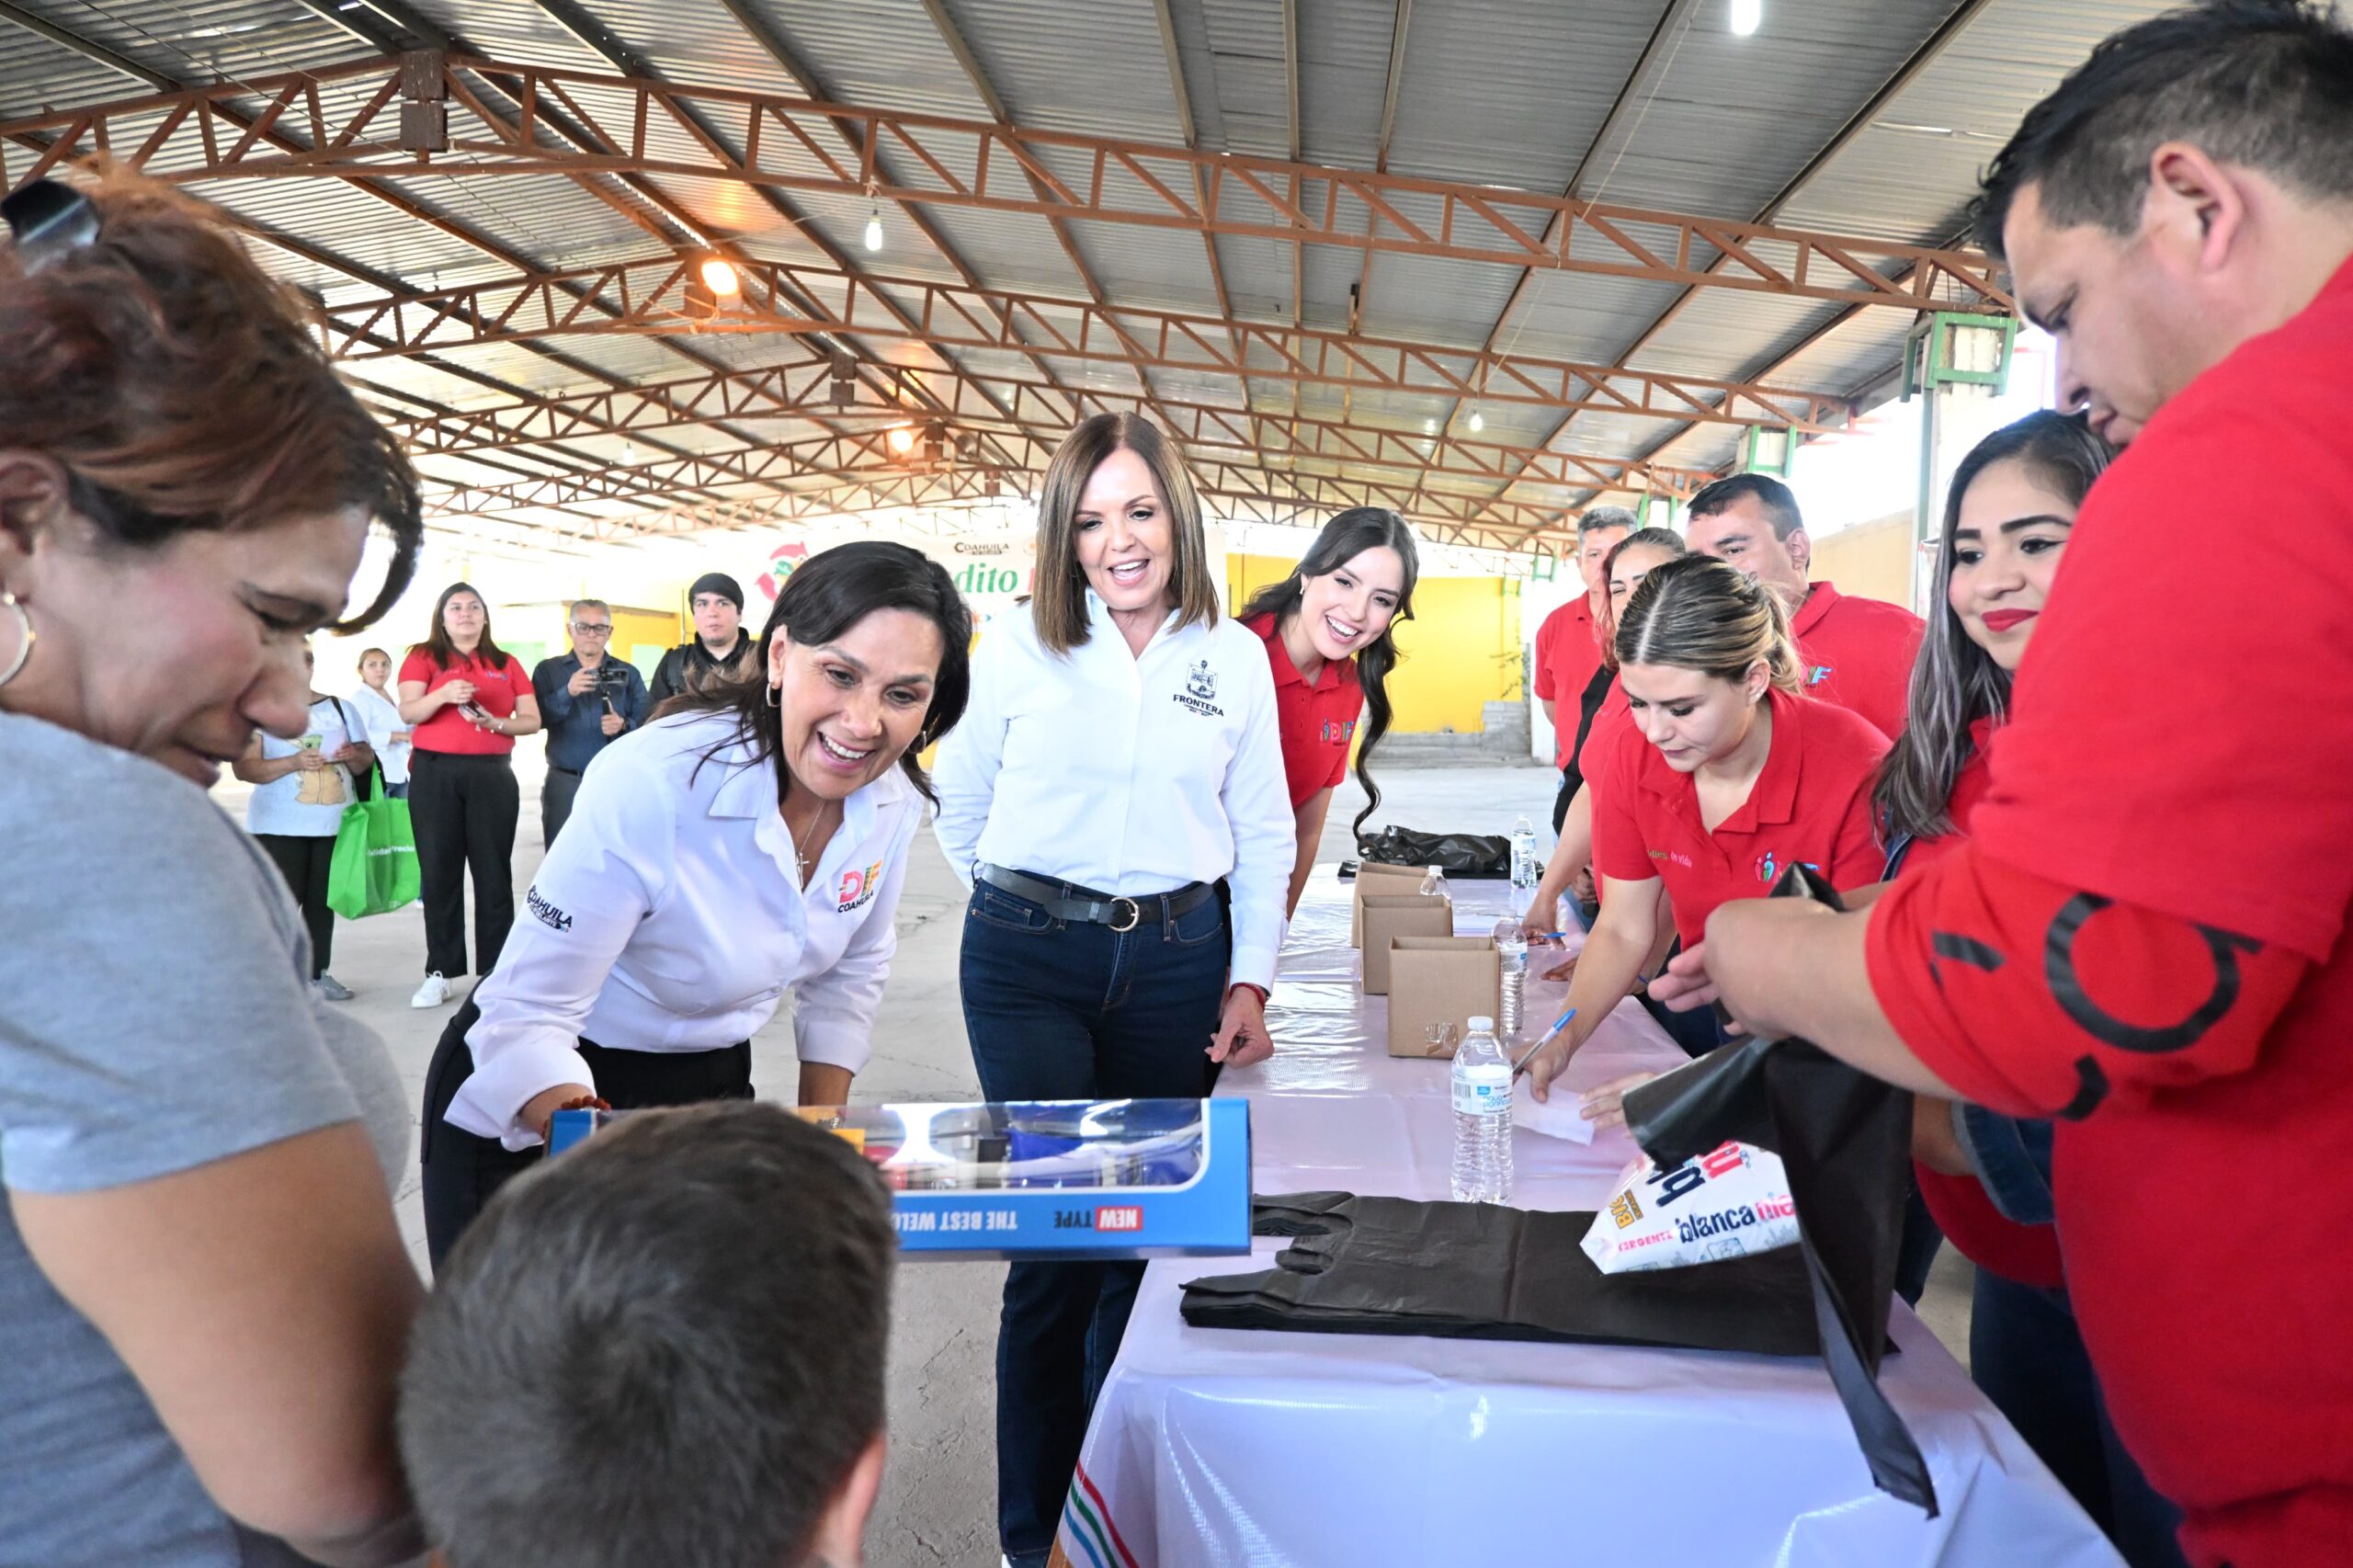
x=1512 y=93
x=1097 y=67
x=37 y=75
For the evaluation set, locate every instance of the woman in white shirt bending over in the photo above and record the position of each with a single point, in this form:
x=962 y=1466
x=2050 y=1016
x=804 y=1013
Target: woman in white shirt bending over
x=753 y=841
x=1120 y=760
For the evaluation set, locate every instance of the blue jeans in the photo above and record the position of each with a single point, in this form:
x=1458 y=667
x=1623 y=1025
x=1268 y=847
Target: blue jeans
x=1062 y=1011
x=2027 y=1354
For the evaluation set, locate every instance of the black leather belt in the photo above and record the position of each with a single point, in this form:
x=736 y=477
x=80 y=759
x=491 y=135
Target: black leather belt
x=1065 y=902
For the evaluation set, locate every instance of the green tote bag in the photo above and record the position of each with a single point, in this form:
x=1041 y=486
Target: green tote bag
x=374 y=869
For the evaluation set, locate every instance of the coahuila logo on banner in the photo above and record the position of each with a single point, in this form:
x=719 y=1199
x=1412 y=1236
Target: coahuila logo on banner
x=781 y=561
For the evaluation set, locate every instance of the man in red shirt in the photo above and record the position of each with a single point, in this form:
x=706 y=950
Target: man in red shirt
x=1568 y=650
x=1857 y=652
x=2144 y=935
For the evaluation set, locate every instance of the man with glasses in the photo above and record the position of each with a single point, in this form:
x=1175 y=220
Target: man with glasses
x=586 y=697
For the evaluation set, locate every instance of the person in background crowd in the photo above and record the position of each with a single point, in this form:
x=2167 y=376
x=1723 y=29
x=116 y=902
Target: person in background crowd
x=468 y=699
x=300 y=789
x=1569 y=645
x=1328 y=629
x=204 y=1289
x=1856 y=652
x=1122 y=758
x=1727 y=776
x=721 y=650
x=752 y=839
x=720 y=1276
x=1987 y=1177
x=587 y=698
x=1570 y=867
x=2150 y=904
x=379 y=718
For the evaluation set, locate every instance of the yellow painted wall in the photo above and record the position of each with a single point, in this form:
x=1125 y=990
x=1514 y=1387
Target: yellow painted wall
x=1460 y=650
x=1871 y=561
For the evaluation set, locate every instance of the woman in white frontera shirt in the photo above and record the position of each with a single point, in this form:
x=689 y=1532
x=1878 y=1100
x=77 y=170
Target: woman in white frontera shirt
x=378 y=708
x=753 y=842
x=1120 y=760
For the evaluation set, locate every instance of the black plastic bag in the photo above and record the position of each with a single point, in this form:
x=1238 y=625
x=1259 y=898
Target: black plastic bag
x=1845 y=1139
x=1480 y=1271
x=1457 y=854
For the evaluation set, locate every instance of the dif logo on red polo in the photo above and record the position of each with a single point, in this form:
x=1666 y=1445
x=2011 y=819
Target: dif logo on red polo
x=781 y=562
x=1128 y=1218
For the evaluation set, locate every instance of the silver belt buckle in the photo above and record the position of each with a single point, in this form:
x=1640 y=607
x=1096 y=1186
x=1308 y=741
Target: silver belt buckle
x=1135 y=914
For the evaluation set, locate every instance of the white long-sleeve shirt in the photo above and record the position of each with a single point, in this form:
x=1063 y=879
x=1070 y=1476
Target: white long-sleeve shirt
x=667 y=917
x=1130 y=775
x=381 y=716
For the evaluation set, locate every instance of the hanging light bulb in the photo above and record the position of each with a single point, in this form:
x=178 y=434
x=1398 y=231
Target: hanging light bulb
x=629 y=454
x=902 y=439
x=719 y=275
x=875 y=227
x=1748 y=16
x=1478 y=420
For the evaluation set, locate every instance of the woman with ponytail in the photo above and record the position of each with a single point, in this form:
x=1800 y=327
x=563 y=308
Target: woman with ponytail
x=1727 y=776
x=1328 y=629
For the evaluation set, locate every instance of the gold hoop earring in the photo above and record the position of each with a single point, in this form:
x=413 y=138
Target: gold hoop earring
x=25 y=644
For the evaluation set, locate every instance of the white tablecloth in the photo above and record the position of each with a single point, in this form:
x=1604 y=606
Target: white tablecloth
x=1220 y=1448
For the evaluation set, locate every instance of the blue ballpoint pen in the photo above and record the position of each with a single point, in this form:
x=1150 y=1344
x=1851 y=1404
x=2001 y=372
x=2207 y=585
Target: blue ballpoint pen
x=1558 y=1024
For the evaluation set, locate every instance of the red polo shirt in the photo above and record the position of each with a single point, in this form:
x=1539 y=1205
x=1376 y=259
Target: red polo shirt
x=1316 y=723
x=1810 y=806
x=2027 y=1253
x=1859 y=654
x=495 y=688
x=2169 y=823
x=1565 y=658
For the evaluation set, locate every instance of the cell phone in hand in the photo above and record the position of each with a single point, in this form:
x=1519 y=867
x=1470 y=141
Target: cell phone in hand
x=473 y=711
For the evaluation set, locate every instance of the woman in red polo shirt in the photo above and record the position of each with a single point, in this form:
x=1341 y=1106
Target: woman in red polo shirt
x=1727 y=776
x=467 y=701
x=1987 y=1177
x=1326 y=627
x=1622 y=571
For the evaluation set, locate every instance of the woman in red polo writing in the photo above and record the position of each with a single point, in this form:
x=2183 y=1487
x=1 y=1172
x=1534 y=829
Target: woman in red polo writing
x=1728 y=777
x=1327 y=629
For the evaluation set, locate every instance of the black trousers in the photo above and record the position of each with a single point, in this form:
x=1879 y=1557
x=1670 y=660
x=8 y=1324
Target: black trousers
x=462 y=1171
x=303 y=861
x=462 y=810
x=555 y=801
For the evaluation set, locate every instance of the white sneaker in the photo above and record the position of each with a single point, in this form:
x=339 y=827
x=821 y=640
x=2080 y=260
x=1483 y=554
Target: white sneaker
x=433 y=993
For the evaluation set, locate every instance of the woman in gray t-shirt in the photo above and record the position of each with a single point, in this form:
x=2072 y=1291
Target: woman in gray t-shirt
x=204 y=1293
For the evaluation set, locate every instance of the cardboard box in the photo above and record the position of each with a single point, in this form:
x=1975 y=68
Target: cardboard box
x=1436 y=980
x=1388 y=918
x=1045 y=1179
x=1386 y=881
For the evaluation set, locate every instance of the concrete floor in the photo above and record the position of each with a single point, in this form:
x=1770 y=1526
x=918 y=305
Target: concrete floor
x=939 y=1498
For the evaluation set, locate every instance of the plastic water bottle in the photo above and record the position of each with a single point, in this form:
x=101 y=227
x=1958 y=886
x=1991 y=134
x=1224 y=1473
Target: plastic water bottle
x=1511 y=950
x=1523 y=856
x=1482 y=1118
x=1434 y=884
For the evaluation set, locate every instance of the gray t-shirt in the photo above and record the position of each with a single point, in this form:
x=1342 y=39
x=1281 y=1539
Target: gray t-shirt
x=153 y=1017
